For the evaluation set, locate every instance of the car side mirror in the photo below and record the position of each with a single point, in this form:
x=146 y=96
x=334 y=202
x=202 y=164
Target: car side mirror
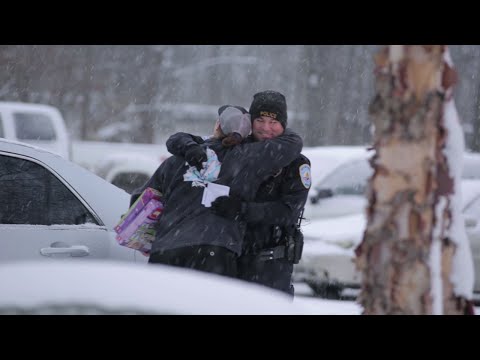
x=470 y=222
x=321 y=194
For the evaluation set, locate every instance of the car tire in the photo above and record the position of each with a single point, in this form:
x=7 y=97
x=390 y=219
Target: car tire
x=324 y=290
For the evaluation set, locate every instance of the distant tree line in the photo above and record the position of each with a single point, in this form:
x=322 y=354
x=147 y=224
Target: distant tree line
x=328 y=87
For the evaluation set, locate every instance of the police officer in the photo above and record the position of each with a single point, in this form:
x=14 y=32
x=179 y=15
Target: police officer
x=273 y=243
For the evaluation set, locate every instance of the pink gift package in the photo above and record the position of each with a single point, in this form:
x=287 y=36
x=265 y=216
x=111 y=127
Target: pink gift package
x=136 y=228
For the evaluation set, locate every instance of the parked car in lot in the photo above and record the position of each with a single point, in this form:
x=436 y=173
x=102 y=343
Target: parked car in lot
x=116 y=162
x=335 y=216
x=53 y=209
x=100 y=287
x=325 y=159
x=327 y=262
x=341 y=190
x=342 y=178
x=127 y=171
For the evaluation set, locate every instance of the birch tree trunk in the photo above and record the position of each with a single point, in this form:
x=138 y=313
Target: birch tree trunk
x=407 y=256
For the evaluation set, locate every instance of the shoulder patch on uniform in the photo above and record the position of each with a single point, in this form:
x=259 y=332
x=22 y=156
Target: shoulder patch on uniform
x=305 y=175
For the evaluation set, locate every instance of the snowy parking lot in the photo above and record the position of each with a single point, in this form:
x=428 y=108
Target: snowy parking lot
x=317 y=306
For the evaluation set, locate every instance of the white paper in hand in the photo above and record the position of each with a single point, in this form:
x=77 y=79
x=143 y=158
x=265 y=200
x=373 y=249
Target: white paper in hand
x=213 y=191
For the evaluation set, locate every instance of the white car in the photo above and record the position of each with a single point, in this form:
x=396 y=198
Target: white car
x=100 y=287
x=340 y=175
x=327 y=262
x=128 y=171
x=53 y=209
x=335 y=218
x=341 y=190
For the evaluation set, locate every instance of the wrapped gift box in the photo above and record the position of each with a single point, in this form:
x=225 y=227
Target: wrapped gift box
x=136 y=229
x=147 y=195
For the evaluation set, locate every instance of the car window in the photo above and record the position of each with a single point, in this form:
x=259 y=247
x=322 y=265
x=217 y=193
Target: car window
x=130 y=181
x=30 y=194
x=33 y=126
x=1 y=128
x=348 y=179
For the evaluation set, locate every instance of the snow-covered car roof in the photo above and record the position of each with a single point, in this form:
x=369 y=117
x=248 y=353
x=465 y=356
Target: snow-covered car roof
x=117 y=287
x=85 y=182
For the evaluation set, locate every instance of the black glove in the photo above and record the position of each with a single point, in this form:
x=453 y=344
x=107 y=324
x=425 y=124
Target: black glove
x=195 y=156
x=229 y=207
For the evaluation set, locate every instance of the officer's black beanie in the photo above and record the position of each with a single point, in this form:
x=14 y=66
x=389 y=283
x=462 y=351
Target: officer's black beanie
x=269 y=103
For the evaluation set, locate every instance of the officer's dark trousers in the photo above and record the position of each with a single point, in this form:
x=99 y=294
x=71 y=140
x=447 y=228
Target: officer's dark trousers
x=213 y=259
x=276 y=273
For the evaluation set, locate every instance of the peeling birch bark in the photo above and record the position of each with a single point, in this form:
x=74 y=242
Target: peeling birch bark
x=411 y=176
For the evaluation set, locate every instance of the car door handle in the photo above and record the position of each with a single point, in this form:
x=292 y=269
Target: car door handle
x=74 y=251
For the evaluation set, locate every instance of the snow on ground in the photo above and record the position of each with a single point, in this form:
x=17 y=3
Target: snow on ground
x=317 y=306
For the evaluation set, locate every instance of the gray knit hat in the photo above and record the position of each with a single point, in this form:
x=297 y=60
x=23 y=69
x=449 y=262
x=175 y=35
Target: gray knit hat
x=234 y=120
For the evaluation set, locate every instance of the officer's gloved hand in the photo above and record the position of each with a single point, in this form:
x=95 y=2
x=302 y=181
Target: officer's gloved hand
x=229 y=207
x=195 y=156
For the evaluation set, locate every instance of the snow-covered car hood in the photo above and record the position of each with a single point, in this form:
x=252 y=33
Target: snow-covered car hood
x=113 y=287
